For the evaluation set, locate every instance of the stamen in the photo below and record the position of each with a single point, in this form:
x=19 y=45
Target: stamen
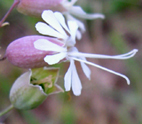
x=100 y=56
x=105 y=69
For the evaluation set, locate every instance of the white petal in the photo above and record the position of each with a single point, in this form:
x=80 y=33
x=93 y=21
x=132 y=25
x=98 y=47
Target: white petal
x=43 y=44
x=78 y=35
x=68 y=78
x=73 y=27
x=54 y=59
x=50 y=18
x=73 y=30
x=79 y=23
x=85 y=68
x=61 y=20
x=47 y=30
x=78 y=11
x=76 y=83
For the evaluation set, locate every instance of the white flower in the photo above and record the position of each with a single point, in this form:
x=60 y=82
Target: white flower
x=78 y=12
x=56 y=27
x=71 y=54
x=67 y=33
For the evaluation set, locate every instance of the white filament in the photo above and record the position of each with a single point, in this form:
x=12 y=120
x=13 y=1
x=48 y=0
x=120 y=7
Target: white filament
x=99 y=56
x=103 y=68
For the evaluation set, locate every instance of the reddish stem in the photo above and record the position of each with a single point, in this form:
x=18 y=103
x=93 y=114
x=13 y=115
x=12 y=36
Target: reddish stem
x=16 y=2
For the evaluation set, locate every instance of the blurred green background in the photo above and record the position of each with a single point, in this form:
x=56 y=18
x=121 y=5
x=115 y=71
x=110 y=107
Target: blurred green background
x=106 y=99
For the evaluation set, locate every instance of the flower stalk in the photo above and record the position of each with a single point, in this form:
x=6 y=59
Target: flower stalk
x=16 y=2
x=9 y=108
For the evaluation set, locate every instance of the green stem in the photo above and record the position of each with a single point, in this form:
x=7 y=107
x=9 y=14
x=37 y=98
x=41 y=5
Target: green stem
x=6 y=110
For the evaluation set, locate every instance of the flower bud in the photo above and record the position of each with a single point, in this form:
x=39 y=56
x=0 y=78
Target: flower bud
x=22 y=52
x=36 y=7
x=33 y=87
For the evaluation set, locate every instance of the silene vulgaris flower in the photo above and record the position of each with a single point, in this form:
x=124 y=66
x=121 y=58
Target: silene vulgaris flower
x=66 y=7
x=74 y=10
x=66 y=32
x=69 y=10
